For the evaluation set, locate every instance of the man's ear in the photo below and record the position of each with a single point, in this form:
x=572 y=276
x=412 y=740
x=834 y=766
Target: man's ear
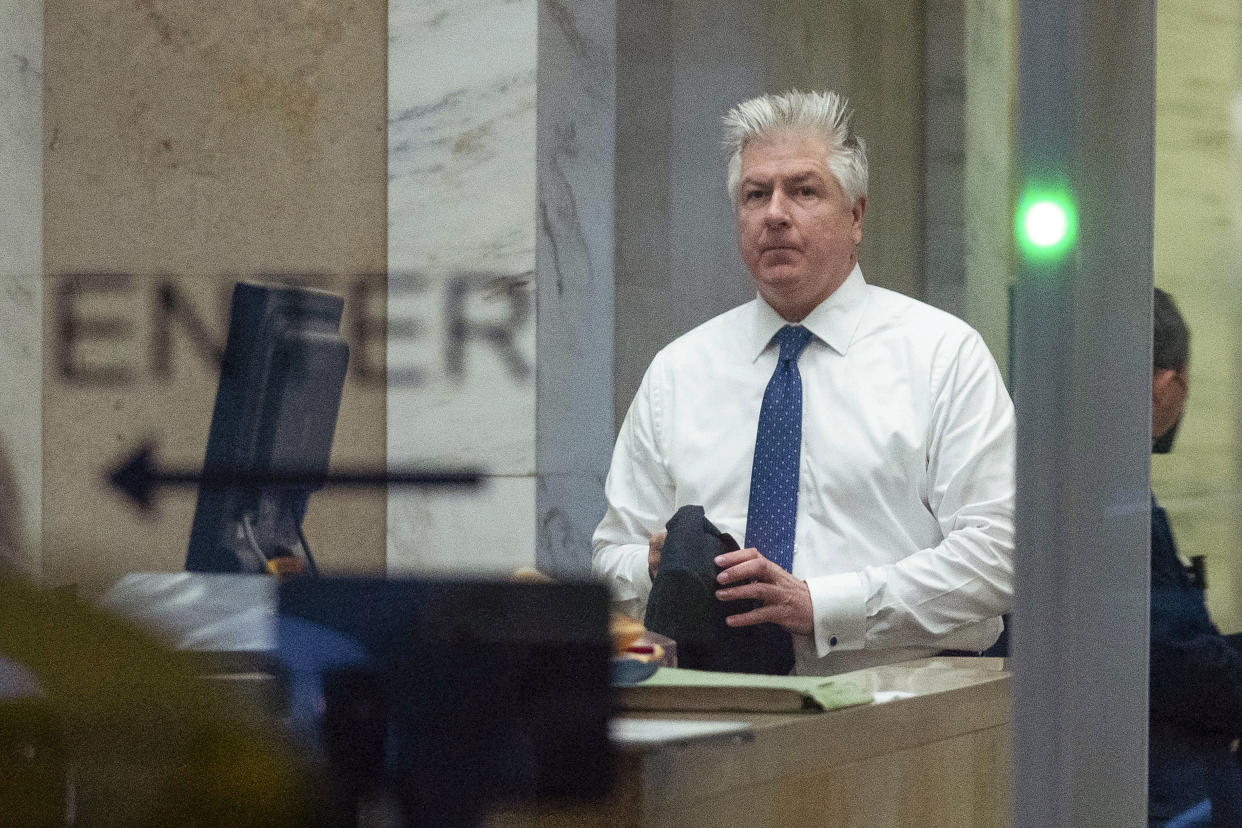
x=1162 y=380
x=860 y=207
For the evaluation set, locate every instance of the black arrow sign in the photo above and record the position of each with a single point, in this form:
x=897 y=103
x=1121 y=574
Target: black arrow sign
x=138 y=478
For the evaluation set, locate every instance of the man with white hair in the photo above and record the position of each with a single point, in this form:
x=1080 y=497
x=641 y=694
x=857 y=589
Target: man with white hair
x=862 y=442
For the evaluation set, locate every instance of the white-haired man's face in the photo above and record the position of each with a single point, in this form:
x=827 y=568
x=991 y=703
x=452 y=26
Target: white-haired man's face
x=797 y=231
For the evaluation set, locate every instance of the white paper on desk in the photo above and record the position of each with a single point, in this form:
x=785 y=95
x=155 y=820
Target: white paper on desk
x=883 y=696
x=655 y=732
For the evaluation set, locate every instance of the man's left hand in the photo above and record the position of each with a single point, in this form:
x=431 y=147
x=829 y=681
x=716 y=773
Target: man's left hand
x=786 y=600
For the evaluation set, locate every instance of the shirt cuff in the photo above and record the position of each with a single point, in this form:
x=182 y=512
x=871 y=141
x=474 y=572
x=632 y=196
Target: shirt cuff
x=839 y=610
x=640 y=574
x=627 y=578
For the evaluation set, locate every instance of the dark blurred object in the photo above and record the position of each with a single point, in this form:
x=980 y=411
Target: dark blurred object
x=1198 y=570
x=35 y=783
x=354 y=736
x=495 y=692
x=275 y=413
x=1164 y=443
x=12 y=553
x=684 y=607
x=1001 y=648
x=148 y=742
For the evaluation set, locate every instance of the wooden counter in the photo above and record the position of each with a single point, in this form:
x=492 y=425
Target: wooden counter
x=938 y=752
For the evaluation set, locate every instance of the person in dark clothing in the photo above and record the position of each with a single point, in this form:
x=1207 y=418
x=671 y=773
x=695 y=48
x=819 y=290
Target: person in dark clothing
x=1196 y=673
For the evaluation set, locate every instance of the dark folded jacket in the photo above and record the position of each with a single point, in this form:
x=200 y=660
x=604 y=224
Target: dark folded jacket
x=683 y=605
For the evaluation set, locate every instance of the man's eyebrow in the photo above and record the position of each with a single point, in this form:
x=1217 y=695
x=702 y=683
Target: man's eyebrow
x=805 y=175
x=795 y=178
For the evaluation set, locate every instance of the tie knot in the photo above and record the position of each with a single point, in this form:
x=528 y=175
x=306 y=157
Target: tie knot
x=792 y=340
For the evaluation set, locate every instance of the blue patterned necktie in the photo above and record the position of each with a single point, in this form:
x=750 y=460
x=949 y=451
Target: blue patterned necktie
x=773 y=509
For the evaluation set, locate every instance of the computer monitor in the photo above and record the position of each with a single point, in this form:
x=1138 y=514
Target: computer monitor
x=450 y=696
x=274 y=417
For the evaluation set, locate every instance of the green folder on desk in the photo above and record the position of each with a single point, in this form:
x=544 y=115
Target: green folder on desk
x=671 y=688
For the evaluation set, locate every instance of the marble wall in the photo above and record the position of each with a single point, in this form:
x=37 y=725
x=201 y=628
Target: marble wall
x=21 y=257
x=874 y=54
x=944 y=155
x=574 y=260
x=461 y=261
x=989 y=56
x=498 y=205
x=190 y=145
x=970 y=87
x=680 y=66
x=1198 y=260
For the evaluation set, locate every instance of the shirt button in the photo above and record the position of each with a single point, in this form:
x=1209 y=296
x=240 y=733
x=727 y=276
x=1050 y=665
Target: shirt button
x=832 y=642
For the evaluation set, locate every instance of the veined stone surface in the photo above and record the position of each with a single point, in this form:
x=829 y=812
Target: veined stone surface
x=21 y=266
x=461 y=262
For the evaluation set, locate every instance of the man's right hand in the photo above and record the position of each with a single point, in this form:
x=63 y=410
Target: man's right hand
x=654 y=544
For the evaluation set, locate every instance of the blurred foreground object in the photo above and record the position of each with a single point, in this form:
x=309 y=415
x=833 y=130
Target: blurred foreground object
x=447 y=697
x=35 y=781
x=12 y=553
x=147 y=743
x=428 y=701
x=625 y=632
x=630 y=639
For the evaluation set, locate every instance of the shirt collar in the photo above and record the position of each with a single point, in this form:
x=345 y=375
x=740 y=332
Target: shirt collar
x=834 y=320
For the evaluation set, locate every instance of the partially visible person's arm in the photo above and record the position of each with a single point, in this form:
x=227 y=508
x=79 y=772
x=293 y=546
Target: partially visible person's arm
x=968 y=576
x=640 y=500
x=1196 y=674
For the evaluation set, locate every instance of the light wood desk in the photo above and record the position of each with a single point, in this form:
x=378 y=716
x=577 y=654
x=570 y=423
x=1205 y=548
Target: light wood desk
x=939 y=754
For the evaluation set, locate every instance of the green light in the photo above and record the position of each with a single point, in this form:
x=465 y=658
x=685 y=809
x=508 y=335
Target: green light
x=1047 y=224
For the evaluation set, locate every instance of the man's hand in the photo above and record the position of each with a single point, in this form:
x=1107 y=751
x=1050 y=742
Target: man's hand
x=786 y=599
x=654 y=544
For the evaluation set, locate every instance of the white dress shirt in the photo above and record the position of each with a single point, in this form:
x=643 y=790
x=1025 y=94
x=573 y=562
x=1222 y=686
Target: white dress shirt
x=905 y=493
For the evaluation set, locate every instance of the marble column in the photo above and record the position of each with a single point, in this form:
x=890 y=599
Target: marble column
x=21 y=263
x=944 y=156
x=969 y=81
x=461 y=262
x=680 y=66
x=990 y=57
x=574 y=261
x=493 y=199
